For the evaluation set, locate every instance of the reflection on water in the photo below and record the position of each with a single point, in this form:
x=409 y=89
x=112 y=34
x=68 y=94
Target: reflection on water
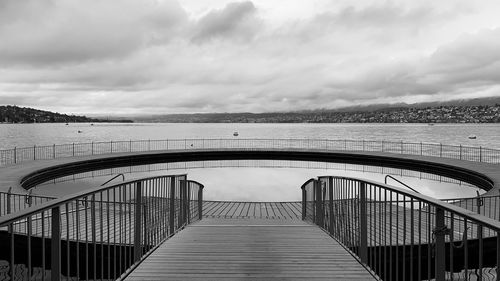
x=260 y=180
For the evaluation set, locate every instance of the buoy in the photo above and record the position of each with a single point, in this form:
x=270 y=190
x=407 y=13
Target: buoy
x=79 y=131
x=235 y=134
x=472 y=137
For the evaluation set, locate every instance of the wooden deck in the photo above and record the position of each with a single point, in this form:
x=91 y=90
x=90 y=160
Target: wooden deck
x=250 y=249
x=264 y=210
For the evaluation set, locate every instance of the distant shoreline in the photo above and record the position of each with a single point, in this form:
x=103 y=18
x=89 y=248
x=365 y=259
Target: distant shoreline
x=180 y=122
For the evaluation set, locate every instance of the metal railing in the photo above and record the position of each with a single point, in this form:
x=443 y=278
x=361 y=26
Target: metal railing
x=402 y=235
x=469 y=153
x=100 y=233
x=400 y=182
x=488 y=206
x=259 y=164
x=14 y=202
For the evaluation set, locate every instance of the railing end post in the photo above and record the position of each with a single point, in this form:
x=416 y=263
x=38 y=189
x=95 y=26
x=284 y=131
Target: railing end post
x=138 y=222
x=56 y=244
x=439 y=232
x=363 y=227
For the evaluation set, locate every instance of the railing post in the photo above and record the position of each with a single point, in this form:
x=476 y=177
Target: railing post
x=304 y=202
x=188 y=203
x=200 y=202
x=29 y=198
x=480 y=154
x=54 y=151
x=74 y=150
x=364 y=145
x=9 y=195
x=318 y=199
x=15 y=155
x=479 y=202
x=138 y=222
x=421 y=149
x=330 y=205
x=363 y=227
x=498 y=255
x=171 y=212
x=92 y=144
x=402 y=147
x=34 y=152
x=183 y=201
x=382 y=146
x=460 y=152
x=111 y=144
x=440 y=150
x=55 y=245
x=439 y=233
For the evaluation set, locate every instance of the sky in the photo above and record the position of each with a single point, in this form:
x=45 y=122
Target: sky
x=132 y=57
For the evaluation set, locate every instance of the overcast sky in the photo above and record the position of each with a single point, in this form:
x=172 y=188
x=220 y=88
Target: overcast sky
x=147 y=56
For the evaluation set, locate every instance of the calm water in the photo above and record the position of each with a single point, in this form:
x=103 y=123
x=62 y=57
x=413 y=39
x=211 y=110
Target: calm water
x=254 y=184
x=20 y=135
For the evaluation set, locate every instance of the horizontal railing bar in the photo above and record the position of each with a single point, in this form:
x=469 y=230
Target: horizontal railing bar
x=68 y=198
x=380 y=145
x=493 y=224
x=27 y=195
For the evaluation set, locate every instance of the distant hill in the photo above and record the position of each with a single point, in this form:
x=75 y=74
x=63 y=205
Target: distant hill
x=386 y=106
x=485 y=110
x=16 y=114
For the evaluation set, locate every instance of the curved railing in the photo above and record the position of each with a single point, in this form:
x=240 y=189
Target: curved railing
x=13 y=202
x=257 y=164
x=402 y=235
x=100 y=233
x=469 y=153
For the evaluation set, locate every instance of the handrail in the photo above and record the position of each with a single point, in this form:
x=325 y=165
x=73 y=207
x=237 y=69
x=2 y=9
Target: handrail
x=462 y=152
x=387 y=227
x=123 y=179
x=125 y=221
x=307 y=183
x=69 y=197
x=404 y=184
x=12 y=202
x=433 y=201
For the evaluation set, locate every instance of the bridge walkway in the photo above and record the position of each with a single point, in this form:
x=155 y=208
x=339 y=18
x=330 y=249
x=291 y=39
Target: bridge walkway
x=250 y=249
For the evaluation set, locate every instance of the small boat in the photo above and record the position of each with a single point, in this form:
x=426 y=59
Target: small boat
x=235 y=134
x=472 y=137
x=67 y=124
x=80 y=131
x=431 y=124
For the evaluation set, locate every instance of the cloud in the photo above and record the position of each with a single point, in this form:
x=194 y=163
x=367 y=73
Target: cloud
x=236 y=20
x=470 y=58
x=163 y=56
x=41 y=33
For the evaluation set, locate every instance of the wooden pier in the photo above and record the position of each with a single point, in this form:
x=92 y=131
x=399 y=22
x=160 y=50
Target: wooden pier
x=256 y=249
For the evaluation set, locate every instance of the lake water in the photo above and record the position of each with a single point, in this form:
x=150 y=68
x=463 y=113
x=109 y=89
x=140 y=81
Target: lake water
x=251 y=183
x=11 y=135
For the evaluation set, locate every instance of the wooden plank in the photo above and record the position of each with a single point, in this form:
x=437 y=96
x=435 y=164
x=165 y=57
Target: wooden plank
x=250 y=249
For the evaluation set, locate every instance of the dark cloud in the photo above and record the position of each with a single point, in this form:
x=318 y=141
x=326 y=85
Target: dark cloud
x=65 y=32
x=236 y=20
